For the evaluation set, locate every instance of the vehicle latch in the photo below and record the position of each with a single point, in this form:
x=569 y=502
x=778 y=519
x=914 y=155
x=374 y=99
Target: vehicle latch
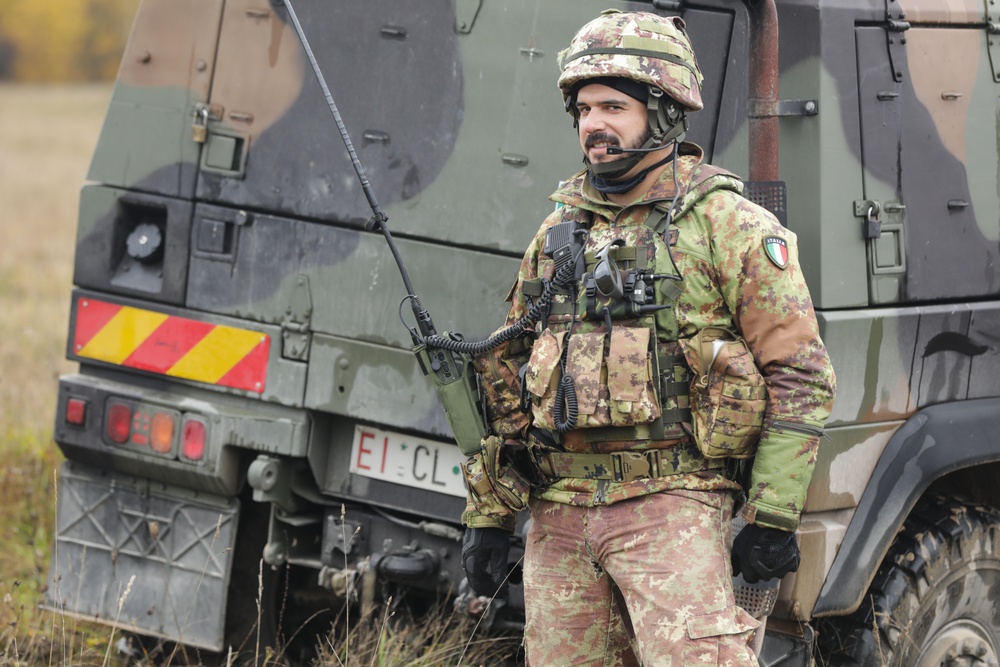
x=870 y=210
x=296 y=334
x=202 y=114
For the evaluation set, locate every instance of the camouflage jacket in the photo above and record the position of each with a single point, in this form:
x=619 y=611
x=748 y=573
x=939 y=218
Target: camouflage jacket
x=719 y=246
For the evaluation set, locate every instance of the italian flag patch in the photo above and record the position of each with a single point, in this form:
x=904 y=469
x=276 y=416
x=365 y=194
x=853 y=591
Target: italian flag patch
x=777 y=251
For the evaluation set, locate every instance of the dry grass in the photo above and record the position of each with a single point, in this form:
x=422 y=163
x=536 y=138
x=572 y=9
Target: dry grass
x=46 y=138
x=449 y=639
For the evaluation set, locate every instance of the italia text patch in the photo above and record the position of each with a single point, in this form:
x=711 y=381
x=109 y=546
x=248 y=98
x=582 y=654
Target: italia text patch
x=776 y=250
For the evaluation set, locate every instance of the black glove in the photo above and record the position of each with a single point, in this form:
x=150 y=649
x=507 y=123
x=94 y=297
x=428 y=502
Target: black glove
x=484 y=557
x=764 y=553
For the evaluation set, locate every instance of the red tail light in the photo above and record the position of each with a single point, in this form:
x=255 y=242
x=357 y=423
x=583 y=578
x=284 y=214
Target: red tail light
x=193 y=440
x=76 y=411
x=119 y=423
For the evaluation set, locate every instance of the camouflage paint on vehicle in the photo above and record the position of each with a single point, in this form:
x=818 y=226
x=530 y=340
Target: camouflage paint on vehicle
x=887 y=120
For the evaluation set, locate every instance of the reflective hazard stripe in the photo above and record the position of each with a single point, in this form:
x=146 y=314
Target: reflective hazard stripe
x=174 y=346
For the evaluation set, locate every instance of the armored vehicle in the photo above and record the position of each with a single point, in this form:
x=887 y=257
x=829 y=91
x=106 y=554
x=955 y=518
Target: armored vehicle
x=247 y=398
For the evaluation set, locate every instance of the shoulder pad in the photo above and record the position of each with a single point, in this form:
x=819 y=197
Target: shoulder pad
x=704 y=179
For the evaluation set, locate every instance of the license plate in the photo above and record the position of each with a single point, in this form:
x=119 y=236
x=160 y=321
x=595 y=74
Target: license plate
x=408 y=460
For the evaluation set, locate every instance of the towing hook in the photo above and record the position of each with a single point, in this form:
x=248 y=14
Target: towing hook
x=407 y=567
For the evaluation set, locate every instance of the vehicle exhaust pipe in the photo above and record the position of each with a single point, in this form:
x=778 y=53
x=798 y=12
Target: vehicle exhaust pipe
x=763 y=83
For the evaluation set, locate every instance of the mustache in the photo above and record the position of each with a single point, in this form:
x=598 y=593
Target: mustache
x=599 y=137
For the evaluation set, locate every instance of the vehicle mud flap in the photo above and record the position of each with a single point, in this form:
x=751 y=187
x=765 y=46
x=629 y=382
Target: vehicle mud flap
x=131 y=553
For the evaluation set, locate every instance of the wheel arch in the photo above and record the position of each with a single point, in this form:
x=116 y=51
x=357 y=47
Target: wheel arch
x=917 y=459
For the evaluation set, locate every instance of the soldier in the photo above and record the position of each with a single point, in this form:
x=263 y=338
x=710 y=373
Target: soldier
x=675 y=339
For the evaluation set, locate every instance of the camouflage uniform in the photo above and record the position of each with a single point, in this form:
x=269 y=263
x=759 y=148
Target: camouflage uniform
x=634 y=501
x=729 y=280
x=718 y=243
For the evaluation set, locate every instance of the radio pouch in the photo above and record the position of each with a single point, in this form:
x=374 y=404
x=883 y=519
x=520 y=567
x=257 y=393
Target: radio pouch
x=457 y=388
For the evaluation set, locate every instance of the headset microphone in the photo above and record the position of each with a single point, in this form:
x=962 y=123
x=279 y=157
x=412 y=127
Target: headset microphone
x=618 y=150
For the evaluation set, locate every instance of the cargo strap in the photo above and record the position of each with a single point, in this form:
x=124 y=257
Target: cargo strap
x=621 y=466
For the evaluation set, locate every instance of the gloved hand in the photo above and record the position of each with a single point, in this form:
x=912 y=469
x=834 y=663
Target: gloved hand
x=484 y=558
x=764 y=553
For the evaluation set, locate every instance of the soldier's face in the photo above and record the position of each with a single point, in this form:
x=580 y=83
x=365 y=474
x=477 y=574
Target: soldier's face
x=609 y=118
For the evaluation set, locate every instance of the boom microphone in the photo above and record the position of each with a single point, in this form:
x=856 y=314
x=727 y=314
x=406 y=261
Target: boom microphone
x=618 y=150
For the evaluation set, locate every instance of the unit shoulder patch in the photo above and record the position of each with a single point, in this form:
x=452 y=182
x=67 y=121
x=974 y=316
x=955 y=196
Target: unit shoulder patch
x=776 y=250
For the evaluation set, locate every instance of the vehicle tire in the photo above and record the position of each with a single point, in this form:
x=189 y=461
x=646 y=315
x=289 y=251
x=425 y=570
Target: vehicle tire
x=934 y=602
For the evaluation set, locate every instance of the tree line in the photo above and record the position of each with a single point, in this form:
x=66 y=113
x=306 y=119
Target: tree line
x=53 y=41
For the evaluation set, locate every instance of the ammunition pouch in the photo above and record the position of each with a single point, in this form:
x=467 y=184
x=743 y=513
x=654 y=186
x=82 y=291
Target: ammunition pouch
x=613 y=377
x=728 y=394
x=496 y=485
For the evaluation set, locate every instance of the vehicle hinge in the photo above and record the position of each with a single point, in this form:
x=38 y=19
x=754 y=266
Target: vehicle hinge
x=895 y=27
x=295 y=327
x=993 y=36
x=466 y=12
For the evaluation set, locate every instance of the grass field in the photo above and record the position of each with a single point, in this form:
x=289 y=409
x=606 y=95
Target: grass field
x=46 y=138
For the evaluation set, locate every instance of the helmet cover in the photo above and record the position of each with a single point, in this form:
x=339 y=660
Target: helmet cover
x=640 y=46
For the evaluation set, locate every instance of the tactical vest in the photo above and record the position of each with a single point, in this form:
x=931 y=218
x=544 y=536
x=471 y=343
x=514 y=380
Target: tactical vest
x=618 y=345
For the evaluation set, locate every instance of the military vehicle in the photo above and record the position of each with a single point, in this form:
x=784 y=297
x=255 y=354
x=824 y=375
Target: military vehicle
x=247 y=392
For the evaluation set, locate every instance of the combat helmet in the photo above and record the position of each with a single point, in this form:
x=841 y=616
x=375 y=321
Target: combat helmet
x=642 y=47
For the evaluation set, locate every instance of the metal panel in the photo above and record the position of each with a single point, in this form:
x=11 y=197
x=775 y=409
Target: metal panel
x=462 y=131
x=166 y=70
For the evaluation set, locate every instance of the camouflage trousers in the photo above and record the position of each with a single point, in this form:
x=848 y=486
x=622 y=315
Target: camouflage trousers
x=646 y=581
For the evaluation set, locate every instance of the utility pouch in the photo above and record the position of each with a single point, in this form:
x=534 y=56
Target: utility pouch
x=612 y=375
x=728 y=395
x=496 y=486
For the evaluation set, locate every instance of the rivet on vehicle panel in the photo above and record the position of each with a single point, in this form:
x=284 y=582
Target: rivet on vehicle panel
x=85 y=304
x=258 y=386
x=201 y=65
x=344 y=364
x=145 y=57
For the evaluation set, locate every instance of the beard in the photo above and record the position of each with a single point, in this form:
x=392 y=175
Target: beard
x=613 y=140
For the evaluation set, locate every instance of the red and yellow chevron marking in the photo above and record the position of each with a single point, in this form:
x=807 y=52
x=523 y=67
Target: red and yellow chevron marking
x=174 y=346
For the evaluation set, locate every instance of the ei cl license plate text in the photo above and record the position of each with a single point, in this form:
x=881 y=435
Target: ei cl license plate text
x=408 y=460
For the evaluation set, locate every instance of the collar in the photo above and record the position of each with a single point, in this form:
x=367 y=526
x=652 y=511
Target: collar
x=579 y=192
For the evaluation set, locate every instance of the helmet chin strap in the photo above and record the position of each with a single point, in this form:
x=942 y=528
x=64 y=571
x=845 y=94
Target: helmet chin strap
x=609 y=187
x=667 y=124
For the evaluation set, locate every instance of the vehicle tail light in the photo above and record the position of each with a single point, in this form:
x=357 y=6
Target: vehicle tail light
x=76 y=411
x=119 y=422
x=193 y=440
x=161 y=433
